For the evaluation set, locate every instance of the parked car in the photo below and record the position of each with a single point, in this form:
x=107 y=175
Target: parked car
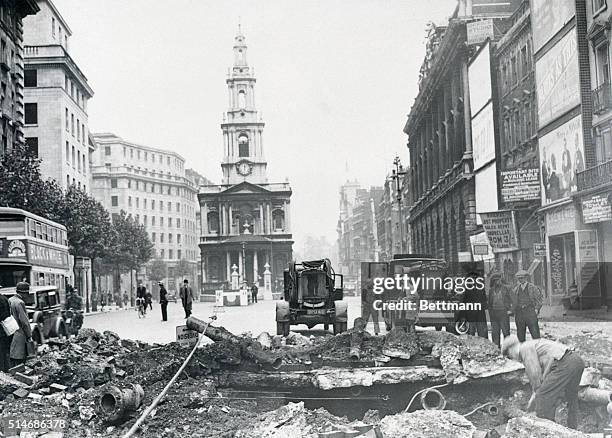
x=172 y=297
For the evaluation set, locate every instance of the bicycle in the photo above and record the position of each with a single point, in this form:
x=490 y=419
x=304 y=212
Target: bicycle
x=140 y=308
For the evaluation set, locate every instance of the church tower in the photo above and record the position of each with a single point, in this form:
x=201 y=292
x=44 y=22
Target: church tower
x=242 y=128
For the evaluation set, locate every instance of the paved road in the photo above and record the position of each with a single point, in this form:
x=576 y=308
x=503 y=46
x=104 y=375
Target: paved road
x=254 y=318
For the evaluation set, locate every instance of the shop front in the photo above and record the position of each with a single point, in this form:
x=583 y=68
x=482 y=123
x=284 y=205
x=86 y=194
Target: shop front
x=573 y=258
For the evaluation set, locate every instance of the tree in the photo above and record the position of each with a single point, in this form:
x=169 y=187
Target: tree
x=157 y=270
x=183 y=269
x=22 y=186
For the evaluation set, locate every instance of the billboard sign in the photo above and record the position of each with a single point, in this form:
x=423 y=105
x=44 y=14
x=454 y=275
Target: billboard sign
x=548 y=17
x=539 y=250
x=186 y=337
x=483 y=138
x=520 y=185
x=501 y=230
x=557 y=80
x=479 y=76
x=561 y=156
x=479 y=31
x=596 y=208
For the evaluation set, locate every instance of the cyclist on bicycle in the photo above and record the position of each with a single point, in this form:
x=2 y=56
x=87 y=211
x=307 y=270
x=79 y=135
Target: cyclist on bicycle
x=141 y=294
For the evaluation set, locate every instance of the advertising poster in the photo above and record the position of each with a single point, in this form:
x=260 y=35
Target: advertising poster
x=557 y=80
x=588 y=263
x=596 y=208
x=557 y=267
x=479 y=75
x=520 y=185
x=483 y=138
x=548 y=17
x=561 y=156
x=501 y=230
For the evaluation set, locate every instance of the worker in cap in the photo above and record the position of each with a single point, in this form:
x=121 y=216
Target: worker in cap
x=499 y=304
x=526 y=303
x=554 y=371
x=163 y=301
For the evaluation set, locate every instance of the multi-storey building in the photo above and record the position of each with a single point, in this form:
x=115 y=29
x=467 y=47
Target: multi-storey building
x=151 y=185
x=358 y=238
x=56 y=97
x=594 y=183
x=12 y=15
x=245 y=220
x=439 y=129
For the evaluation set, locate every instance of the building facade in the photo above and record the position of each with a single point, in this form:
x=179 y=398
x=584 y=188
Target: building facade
x=56 y=97
x=245 y=220
x=358 y=237
x=151 y=185
x=12 y=16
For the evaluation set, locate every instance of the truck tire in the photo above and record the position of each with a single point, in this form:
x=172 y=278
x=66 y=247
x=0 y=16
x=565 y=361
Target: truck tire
x=37 y=338
x=340 y=327
x=282 y=329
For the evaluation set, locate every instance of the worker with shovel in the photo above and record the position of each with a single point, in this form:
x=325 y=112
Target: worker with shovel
x=554 y=371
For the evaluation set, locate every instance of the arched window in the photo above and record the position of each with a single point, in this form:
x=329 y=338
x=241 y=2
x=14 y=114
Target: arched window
x=243 y=145
x=242 y=99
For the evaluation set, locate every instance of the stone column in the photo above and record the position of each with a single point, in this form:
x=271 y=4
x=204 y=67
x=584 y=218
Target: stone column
x=221 y=219
x=267 y=282
x=204 y=219
x=287 y=217
x=235 y=278
x=228 y=264
x=467 y=114
x=255 y=269
x=231 y=221
x=269 y=218
x=262 y=228
x=240 y=263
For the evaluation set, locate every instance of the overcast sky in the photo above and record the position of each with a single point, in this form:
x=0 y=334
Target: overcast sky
x=335 y=81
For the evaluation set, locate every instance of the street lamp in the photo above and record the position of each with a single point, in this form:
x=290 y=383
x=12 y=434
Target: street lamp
x=243 y=263
x=397 y=174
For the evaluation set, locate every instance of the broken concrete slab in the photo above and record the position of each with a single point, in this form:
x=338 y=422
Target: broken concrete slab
x=427 y=424
x=528 y=426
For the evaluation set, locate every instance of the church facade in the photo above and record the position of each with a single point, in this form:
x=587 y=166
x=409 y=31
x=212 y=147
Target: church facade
x=245 y=220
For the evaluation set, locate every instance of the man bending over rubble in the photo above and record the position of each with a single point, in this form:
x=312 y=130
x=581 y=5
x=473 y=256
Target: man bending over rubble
x=554 y=371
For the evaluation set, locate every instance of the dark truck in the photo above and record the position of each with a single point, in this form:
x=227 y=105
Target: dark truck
x=423 y=267
x=313 y=294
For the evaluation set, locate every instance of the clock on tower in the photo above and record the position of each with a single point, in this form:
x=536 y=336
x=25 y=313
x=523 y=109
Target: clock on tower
x=244 y=167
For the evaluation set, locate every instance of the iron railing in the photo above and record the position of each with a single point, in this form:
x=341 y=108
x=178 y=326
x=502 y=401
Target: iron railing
x=596 y=176
x=602 y=98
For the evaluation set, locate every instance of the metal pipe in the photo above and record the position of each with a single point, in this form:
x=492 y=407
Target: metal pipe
x=115 y=403
x=432 y=399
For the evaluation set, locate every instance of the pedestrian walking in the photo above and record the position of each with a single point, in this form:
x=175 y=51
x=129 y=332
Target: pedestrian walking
x=149 y=299
x=186 y=297
x=163 y=301
x=477 y=318
x=5 y=338
x=21 y=338
x=254 y=290
x=526 y=303
x=499 y=303
x=367 y=305
x=554 y=371
x=23 y=286
x=125 y=298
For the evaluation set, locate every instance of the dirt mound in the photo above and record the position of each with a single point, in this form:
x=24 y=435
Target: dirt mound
x=427 y=424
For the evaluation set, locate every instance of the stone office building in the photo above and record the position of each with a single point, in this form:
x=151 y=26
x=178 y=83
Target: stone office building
x=245 y=220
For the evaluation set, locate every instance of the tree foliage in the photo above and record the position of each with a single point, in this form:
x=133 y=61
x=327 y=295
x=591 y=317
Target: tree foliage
x=133 y=248
x=183 y=268
x=157 y=270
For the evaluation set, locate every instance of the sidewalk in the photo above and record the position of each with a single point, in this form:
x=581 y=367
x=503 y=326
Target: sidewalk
x=107 y=309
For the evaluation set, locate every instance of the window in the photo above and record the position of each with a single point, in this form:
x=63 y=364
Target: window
x=153 y=236
x=153 y=221
x=32 y=144
x=79 y=160
x=178 y=238
x=514 y=70
x=67 y=152
x=83 y=132
x=129 y=183
x=161 y=237
x=170 y=254
x=53 y=27
x=73 y=156
x=168 y=160
x=152 y=204
x=603 y=146
x=78 y=130
x=144 y=220
x=113 y=183
x=84 y=168
x=161 y=205
x=72 y=124
x=137 y=202
x=107 y=150
x=524 y=62
x=31 y=113
x=243 y=145
x=114 y=201
x=145 y=202
x=139 y=154
x=67 y=123
x=602 y=61
x=241 y=99
x=146 y=156
x=598 y=5
x=137 y=218
x=161 y=253
x=152 y=190
x=129 y=201
x=178 y=254
x=178 y=223
x=30 y=78
x=161 y=221
x=169 y=222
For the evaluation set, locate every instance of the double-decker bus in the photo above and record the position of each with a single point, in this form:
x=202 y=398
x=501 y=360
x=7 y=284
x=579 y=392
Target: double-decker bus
x=36 y=249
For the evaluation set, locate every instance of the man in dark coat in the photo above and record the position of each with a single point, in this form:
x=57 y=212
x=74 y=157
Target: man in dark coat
x=477 y=317
x=19 y=349
x=499 y=303
x=526 y=303
x=186 y=297
x=254 y=291
x=141 y=294
x=163 y=301
x=5 y=340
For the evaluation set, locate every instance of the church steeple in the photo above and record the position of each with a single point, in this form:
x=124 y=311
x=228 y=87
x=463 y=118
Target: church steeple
x=242 y=130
